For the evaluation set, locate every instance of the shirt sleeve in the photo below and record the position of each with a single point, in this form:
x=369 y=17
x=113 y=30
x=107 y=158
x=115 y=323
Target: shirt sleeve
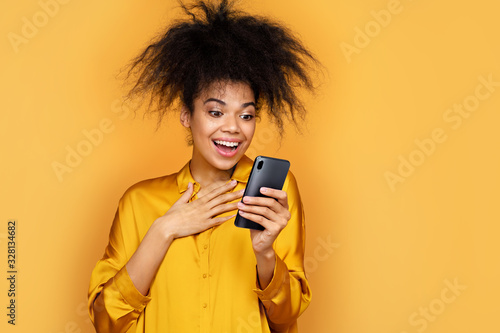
x=114 y=302
x=288 y=294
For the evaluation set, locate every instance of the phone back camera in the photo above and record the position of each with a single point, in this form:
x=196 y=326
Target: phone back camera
x=259 y=165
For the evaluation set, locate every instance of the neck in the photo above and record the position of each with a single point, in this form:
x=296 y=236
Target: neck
x=205 y=174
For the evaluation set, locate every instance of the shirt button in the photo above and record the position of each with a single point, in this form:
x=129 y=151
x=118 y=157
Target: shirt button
x=204 y=276
x=205 y=246
x=204 y=305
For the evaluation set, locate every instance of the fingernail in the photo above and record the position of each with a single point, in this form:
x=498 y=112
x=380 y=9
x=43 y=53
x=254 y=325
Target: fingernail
x=233 y=182
x=240 y=205
x=263 y=189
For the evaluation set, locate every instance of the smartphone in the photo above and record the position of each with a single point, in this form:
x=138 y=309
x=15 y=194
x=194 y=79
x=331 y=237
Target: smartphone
x=266 y=172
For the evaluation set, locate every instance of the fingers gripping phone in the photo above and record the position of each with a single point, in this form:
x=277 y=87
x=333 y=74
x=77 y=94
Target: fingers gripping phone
x=266 y=172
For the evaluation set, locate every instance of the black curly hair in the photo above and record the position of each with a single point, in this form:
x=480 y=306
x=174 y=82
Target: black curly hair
x=218 y=43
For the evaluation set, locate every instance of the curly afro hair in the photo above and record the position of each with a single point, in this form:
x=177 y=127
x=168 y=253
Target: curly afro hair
x=217 y=43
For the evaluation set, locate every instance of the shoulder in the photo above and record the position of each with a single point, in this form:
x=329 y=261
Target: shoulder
x=292 y=189
x=290 y=183
x=150 y=188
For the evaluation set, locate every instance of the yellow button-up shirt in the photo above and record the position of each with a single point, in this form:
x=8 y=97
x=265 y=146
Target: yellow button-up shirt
x=207 y=282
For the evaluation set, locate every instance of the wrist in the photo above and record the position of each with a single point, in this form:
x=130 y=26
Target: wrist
x=265 y=267
x=163 y=230
x=265 y=255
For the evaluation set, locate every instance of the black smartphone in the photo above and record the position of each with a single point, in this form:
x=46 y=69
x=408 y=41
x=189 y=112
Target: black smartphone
x=266 y=172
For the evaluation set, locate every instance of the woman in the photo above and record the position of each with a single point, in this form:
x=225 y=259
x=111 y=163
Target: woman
x=175 y=262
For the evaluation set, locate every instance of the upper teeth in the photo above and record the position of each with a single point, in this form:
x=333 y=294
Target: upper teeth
x=227 y=143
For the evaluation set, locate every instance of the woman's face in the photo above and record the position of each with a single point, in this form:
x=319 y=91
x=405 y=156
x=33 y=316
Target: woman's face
x=222 y=124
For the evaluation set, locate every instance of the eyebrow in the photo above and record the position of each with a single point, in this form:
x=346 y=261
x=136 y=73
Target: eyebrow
x=224 y=103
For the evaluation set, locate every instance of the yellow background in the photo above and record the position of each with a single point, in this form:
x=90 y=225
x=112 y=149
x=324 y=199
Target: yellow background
x=390 y=252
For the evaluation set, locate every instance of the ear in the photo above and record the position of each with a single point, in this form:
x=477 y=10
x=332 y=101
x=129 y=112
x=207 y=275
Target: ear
x=185 y=117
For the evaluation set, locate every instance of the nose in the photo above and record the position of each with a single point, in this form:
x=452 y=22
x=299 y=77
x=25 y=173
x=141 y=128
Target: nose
x=231 y=125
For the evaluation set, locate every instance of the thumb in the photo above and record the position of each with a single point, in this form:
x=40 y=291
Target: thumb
x=186 y=195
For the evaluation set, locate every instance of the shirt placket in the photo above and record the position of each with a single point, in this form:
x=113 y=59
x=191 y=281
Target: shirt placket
x=204 y=250
x=205 y=280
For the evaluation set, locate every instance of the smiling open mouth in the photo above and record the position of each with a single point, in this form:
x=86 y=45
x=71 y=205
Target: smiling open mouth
x=226 y=146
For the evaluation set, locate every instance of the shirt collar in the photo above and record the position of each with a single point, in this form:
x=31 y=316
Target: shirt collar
x=241 y=173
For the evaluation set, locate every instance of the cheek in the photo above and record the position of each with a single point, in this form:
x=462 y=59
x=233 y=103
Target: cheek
x=249 y=132
x=203 y=130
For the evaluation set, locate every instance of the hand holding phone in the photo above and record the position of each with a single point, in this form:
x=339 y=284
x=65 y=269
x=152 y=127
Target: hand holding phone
x=266 y=172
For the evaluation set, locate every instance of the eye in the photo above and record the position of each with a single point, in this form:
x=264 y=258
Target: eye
x=246 y=116
x=215 y=113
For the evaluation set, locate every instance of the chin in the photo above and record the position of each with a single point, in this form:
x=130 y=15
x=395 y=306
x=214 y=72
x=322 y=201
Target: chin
x=226 y=164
